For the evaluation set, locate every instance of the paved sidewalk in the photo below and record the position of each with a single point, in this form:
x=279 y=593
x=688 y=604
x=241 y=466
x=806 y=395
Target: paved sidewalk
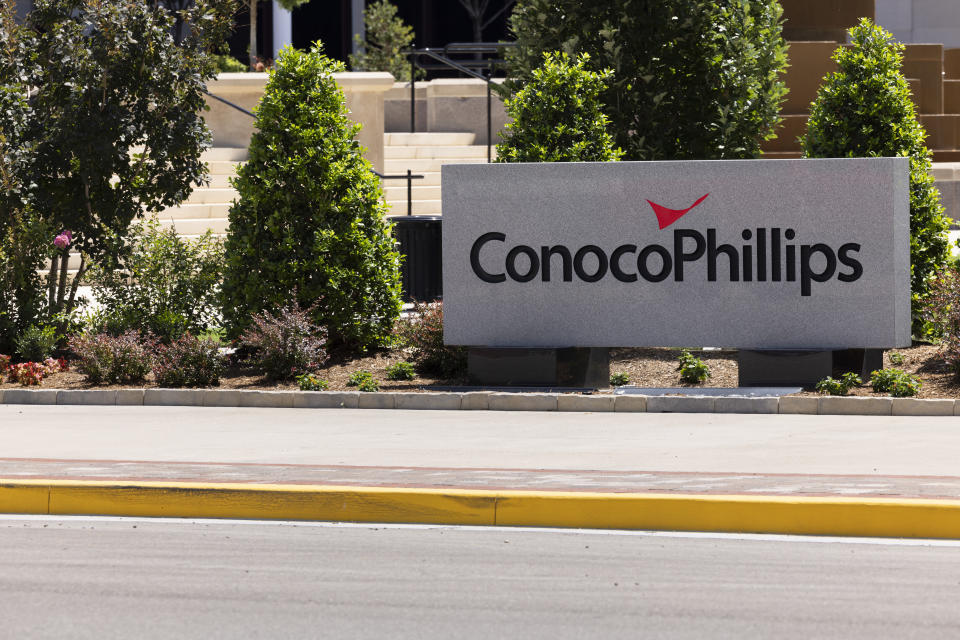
x=843 y=475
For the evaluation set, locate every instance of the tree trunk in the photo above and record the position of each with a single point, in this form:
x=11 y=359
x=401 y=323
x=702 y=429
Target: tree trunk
x=71 y=301
x=62 y=288
x=253 y=34
x=52 y=283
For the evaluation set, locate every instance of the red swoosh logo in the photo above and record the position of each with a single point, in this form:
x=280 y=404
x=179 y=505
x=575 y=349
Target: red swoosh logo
x=667 y=217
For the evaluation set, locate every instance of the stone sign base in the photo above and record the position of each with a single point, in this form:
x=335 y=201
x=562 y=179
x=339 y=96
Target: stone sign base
x=583 y=367
x=804 y=367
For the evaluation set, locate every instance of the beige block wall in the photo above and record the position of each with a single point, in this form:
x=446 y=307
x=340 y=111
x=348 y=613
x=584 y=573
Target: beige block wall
x=809 y=63
x=925 y=62
x=951 y=64
x=455 y=104
x=951 y=96
x=364 y=93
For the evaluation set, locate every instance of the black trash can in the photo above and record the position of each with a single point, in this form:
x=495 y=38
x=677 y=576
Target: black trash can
x=419 y=238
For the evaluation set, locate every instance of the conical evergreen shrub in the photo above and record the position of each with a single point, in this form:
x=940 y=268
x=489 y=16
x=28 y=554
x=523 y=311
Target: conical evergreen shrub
x=558 y=116
x=310 y=221
x=864 y=110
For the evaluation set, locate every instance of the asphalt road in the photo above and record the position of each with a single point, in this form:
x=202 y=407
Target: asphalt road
x=98 y=578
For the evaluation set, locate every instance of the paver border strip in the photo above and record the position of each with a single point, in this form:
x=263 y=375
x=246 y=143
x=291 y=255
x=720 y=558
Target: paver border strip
x=876 y=517
x=486 y=400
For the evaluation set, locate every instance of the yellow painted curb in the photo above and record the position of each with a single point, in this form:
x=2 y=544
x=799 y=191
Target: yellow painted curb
x=909 y=518
x=274 y=502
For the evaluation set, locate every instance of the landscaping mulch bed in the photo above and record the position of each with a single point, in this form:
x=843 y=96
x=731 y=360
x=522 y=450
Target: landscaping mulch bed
x=645 y=367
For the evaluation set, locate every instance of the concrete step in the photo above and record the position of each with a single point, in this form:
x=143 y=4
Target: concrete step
x=234 y=154
x=73 y=263
x=206 y=195
x=221 y=167
x=420 y=207
x=419 y=165
x=429 y=179
x=946 y=171
x=419 y=192
x=193 y=211
x=458 y=151
x=217 y=181
x=425 y=139
x=196 y=226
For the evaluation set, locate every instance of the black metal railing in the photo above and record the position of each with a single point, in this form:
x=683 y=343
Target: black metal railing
x=410 y=176
x=475 y=66
x=230 y=104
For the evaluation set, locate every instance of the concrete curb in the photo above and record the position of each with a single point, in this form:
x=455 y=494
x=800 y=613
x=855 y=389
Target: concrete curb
x=486 y=401
x=908 y=518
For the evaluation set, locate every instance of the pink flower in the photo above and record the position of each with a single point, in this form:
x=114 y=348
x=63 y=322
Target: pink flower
x=63 y=240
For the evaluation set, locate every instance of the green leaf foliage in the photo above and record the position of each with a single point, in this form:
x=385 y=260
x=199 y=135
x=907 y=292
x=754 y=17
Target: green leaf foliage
x=112 y=65
x=113 y=126
x=864 y=110
x=558 y=115
x=309 y=225
x=691 y=78
x=37 y=343
x=386 y=38
x=228 y=64
x=401 y=371
x=832 y=386
x=16 y=154
x=166 y=284
x=692 y=369
x=24 y=243
x=25 y=237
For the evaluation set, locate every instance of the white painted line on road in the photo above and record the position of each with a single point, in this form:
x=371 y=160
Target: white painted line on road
x=757 y=537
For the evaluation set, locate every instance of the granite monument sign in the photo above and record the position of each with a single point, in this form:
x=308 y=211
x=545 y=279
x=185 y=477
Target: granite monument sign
x=753 y=254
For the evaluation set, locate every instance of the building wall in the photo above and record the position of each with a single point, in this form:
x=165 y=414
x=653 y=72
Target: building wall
x=23 y=6
x=921 y=20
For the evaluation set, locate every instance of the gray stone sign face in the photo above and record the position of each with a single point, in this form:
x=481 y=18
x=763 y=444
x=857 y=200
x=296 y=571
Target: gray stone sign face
x=761 y=254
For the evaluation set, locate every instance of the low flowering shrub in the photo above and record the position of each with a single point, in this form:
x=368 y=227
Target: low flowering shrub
x=369 y=385
x=400 y=371
x=189 y=362
x=692 y=369
x=619 y=379
x=312 y=382
x=363 y=381
x=359 y=377
x=27 y=373
x=36 y=343
x=896 y=382
x=839 y=387
x=31 y=373
x=287 y=344
x=423 y=333
x=126 y=358
x=55 y=365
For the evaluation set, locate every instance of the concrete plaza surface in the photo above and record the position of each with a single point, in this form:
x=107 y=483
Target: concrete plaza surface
x=557 y=455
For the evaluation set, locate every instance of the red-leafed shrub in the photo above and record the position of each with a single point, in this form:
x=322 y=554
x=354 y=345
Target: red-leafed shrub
x=126 y=358
x=288 y=344
x=423 y=333
x=189 y=362
x=942 y=310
